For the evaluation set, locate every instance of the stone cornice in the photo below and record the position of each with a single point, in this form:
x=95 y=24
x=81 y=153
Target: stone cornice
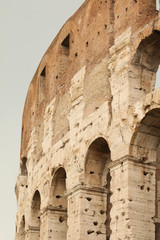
x=130 y=159
x=91 y=190
x=51 y=208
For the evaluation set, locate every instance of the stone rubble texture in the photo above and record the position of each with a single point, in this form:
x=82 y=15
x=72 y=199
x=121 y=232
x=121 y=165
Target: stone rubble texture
x=90 y=144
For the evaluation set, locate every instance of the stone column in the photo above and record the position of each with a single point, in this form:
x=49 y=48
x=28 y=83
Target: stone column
x=33 y=233
x=87 y=213
x=133 y=199
x=54 y=223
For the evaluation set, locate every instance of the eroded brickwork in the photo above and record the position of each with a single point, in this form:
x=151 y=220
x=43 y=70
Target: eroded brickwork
x=90 y=152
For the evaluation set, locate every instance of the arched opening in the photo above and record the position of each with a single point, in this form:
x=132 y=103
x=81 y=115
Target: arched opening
x=145 y=145
x=64 y=55
x=97 y=156
x=97 y=181
x=42 y=83
x=145 y=63
x=59 y=205
x=59 y=188
x=24 y=171
x=35 y=215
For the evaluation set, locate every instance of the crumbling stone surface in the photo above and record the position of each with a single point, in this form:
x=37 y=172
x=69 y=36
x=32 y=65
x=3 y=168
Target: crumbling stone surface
x=90 y=145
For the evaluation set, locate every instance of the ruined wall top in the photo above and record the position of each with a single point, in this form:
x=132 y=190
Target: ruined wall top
x=84 y=40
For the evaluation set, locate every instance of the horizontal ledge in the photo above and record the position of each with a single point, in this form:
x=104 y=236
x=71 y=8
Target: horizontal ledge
x=33 y=228
x=91 y=190
x=53 y=209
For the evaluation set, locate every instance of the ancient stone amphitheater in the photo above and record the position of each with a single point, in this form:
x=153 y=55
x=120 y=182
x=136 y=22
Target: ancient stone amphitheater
x=90 y=146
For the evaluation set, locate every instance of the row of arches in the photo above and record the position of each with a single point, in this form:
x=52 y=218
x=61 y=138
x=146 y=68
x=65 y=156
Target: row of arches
x=144 y=145
x=96 y=176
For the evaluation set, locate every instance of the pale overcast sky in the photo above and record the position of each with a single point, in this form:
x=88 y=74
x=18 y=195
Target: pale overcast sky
x=26 y=30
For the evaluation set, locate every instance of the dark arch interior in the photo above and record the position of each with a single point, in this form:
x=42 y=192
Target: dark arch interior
x=97 y=156
x=148 y=52
x=35 y=214
x=97 y=175
x=59 y=188
x=145 y=144
x=144 y=65
x=147 y=136
x=59 y=204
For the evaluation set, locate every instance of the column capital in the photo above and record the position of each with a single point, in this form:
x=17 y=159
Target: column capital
x=82 y=188
x=33 y=228
x=131 y=159
x=54 y=209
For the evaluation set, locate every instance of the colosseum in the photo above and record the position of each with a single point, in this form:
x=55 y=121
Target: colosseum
x=90 y=143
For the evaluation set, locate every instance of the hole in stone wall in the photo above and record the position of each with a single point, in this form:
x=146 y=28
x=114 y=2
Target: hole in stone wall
x=76 y=54
x=90 y=232
x=24 y=171
x=58 y=196
x=43 y=73
x=145 y=173
x=64 y=55
x=99 y=232
x=142 y=187
x=95 y=223
x=61 y=219
x=65 y=42
x=102 y=212
x=41 y=82
x=89 y=199
x=91 y=172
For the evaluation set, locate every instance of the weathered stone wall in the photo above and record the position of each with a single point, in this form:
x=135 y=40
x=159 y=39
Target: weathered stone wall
x=90 y=165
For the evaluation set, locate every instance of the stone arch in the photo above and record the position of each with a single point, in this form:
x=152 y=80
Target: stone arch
x=35 y=215
x=97 y=183
x=145 y=140
x=58 y=201
x=145 y=146
x=144 y=65
x=98 y=155
x=58 y=188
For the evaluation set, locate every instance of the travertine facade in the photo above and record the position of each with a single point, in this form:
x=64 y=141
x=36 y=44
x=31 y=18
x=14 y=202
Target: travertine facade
x=90 y=152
